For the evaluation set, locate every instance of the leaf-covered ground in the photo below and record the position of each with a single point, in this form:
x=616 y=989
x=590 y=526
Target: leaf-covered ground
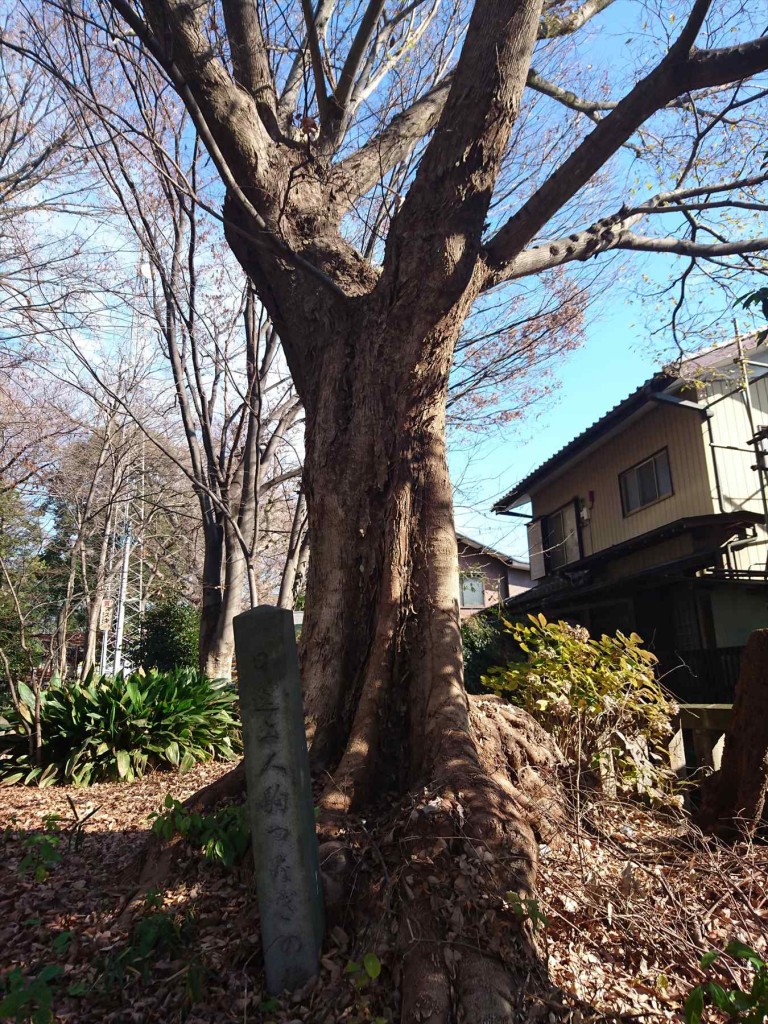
x=631 y=900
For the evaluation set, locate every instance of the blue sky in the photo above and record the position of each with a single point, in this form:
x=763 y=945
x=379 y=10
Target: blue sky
x=614 y=360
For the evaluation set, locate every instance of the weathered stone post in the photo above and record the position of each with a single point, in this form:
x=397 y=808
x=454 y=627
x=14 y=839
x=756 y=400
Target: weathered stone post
x=279 y=796
x=735 y=798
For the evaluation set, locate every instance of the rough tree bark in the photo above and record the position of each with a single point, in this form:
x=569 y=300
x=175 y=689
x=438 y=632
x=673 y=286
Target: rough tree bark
x=733 y=799
x=212 y=598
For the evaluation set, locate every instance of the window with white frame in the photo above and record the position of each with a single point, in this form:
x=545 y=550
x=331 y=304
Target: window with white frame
x=472 y=592
x=646 y=483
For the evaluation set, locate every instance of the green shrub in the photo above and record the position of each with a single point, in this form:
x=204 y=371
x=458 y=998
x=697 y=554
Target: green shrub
x=168 y=637
x=485 y=642
x=749 y=1006
x=599 y=698
x=222 y=836
x=157 y=940
x=118 y=727
x=24 y=999
x=41 y=854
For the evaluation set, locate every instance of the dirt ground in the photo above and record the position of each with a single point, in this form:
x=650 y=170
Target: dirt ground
x=629 y=900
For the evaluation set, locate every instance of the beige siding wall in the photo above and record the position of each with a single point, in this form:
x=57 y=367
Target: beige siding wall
x=730 y=423
x=681 y=431
x=755 y=557
x=733 y=458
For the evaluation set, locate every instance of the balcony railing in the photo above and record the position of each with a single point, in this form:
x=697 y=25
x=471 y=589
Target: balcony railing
x=702 y=677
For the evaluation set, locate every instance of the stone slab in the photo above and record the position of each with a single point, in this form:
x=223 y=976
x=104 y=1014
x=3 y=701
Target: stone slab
x=279 y=800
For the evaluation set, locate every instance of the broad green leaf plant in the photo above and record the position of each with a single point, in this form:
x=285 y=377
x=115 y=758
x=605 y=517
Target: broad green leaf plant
x=746 y=1005
x=222 y=836
x=117 y=727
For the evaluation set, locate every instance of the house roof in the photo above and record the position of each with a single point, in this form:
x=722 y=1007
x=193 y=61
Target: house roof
x=714 y=358
x=484 y=549
x=576 y=579
x=631 y=404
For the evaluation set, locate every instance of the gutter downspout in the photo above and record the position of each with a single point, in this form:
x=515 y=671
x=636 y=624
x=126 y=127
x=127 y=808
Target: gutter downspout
x=709 y=416
x=746 y=389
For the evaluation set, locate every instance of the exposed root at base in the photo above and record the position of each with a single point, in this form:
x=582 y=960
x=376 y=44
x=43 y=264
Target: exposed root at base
x=156 y=861
x=632 y=898
x=460 y=860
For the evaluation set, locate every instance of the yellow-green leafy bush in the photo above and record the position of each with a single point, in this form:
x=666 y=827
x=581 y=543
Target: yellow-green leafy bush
x=599 y=698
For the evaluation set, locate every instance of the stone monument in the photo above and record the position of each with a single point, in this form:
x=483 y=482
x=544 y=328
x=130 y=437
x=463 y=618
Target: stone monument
x=279 y=796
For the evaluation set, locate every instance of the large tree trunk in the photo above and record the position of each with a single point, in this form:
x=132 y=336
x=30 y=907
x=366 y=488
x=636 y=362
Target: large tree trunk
x=383 y=669
x=381 y=649
x=734 y=798
x=63 y=616
x=97 y=595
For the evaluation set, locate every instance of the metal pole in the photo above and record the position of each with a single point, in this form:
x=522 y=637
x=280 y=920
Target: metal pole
x=140 y=537
x=121 y=603
x=104 y=643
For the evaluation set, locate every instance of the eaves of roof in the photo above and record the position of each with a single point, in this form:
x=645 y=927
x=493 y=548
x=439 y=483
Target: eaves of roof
x=484 y=549
x=702 y=365
x=631 y=404
x=571 y=594
x=567 y=580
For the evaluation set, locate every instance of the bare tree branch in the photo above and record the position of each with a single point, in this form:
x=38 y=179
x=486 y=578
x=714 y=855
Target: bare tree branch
x=463 y=157
x=566 y=97
x=355 y=57
x=687 y=247
x=355 y=174
x=614 y=232
x=553 y=26
x=316 y=57
x=249 y=58
x=677 y=73
x=293 y=82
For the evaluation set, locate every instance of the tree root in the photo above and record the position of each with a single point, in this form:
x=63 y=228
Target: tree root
x=156 y=861
x=469 y=939
x=442 y=884
x=227 y=788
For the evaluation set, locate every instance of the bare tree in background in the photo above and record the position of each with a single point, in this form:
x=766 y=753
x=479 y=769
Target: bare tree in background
x=35 y=416
x=212 y=358
x=44 y=272
x=107 y=481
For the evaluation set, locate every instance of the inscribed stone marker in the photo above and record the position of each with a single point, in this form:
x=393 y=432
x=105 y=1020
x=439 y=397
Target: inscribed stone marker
x=279 y=796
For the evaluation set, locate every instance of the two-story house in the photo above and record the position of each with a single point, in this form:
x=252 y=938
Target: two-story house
x=654 y=519
x=487 y=576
